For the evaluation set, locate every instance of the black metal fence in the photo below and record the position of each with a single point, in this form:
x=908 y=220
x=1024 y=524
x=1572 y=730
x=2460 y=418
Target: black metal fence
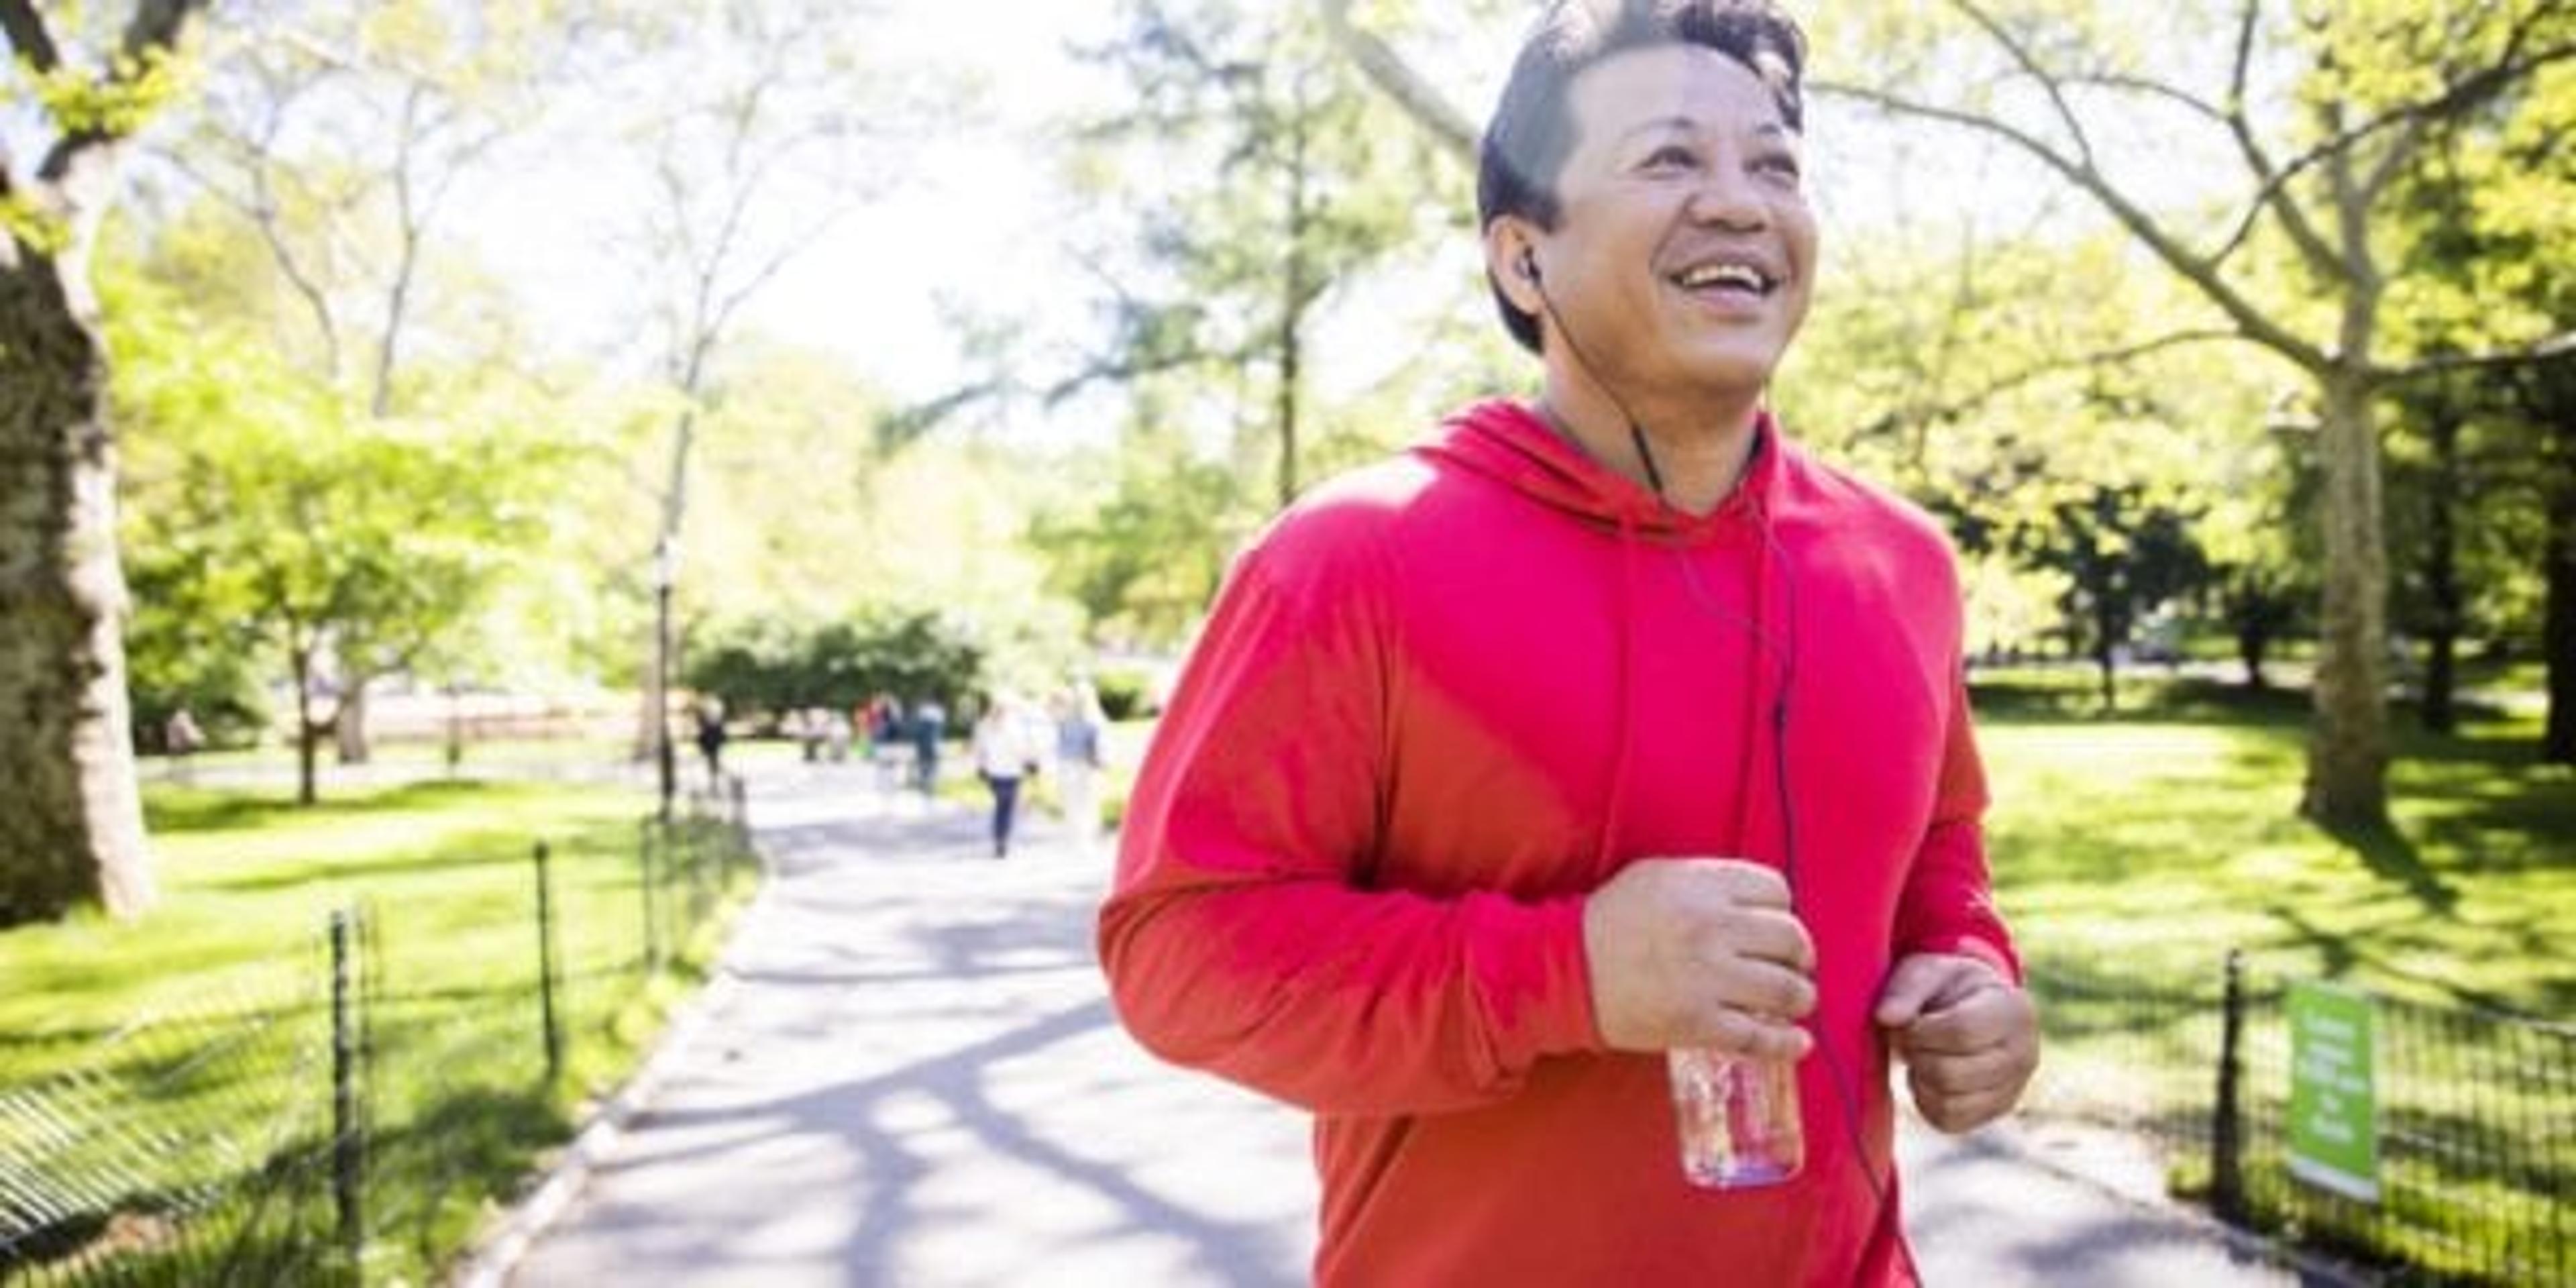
x=2475 y=1118
x=316 y=1118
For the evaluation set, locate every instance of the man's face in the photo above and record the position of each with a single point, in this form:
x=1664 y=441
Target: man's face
x=1684 y=252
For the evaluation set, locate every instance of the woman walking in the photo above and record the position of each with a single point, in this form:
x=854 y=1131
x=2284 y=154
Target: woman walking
x=1003 y=756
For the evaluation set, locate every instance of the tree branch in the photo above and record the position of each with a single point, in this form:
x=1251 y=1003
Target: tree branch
x=1386 y=69
x=156 y=25
x=2029 y=64
x=2152 y=88
x=154 y=31
x=27 y=35
x=2273 y=194
x=2250 y=321
x=2557 y=348
x=2081 y=362
x=2458 y=98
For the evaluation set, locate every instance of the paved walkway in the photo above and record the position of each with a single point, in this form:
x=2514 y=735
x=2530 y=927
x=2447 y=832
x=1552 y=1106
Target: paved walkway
x=910 y=1076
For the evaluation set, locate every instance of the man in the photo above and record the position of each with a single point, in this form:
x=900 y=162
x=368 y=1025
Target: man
x=1604 y=726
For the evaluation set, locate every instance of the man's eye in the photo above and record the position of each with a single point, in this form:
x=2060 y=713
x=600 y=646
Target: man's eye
x=1784 y=167
x=1670 y=157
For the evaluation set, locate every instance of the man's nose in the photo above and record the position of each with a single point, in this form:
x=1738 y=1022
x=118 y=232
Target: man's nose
x=1727 y=197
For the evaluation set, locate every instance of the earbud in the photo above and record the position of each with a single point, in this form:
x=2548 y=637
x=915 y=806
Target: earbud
x=1529 y=266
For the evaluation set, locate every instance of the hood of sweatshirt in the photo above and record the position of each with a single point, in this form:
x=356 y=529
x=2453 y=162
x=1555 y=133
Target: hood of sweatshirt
x=1513 y=445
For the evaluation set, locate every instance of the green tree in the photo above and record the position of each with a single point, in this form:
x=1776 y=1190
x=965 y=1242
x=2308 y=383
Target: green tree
x=287 y=516
x=339 y=137
x=1265 y=179
x=2361 y=94
x=74 y=832
x=2485 y=461
x=1144 y=560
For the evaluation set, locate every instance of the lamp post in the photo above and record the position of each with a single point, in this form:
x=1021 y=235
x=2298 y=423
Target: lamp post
x=666 y=569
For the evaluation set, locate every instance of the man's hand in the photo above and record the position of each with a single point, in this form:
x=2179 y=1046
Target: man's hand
x=1969 y=1038
x=1699 y=953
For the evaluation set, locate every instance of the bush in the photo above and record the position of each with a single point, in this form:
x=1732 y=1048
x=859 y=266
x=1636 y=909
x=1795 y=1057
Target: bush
x=1125 y=695
x=777 y=665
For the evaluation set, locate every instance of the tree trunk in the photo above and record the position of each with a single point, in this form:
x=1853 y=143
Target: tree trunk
x=2347 y=779
x=73 y=829
x=2442 y=578
x=2106 y=643
x=308 y=732
x=455 y=729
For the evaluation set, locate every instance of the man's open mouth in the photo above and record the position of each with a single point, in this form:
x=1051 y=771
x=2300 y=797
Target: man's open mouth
x=1727 y=275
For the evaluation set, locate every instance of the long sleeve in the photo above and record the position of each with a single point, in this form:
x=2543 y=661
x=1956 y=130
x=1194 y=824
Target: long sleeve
x=1948 y=904
x=1243 y=935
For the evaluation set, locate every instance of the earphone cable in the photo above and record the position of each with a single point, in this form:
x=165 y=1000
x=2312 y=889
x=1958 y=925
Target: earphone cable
x=1846 y=1091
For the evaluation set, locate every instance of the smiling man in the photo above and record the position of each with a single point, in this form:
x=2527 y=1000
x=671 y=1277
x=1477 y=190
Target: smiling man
x=1606 y=726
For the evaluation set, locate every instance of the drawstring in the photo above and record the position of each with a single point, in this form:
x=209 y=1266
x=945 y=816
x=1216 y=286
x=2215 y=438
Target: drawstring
x=1624 y=697
x=1758 y=662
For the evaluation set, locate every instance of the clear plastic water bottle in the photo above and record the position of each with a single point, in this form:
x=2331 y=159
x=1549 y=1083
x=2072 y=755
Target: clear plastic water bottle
x=1738 y=1119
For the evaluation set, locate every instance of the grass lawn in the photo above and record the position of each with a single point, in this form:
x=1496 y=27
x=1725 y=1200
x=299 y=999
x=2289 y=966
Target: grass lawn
x=2159 y=838
x=211 y=1015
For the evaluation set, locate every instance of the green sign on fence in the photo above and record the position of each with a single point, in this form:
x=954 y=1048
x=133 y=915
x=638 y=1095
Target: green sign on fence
x=2334 y=1119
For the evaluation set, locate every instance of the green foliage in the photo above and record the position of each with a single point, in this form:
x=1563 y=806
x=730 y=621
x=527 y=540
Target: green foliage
x=117 y=104
x=263 y=512
x=1144 y=560
x=1252 y=178
x=775 y=665
x=1124 y=694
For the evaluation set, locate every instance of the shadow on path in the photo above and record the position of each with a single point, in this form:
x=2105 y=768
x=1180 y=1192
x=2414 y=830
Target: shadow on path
x=915 y=1078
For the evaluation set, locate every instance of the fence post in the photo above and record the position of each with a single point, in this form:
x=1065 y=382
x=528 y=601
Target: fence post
x=348 y=1155
x=2226 y=1128
x=546 y=964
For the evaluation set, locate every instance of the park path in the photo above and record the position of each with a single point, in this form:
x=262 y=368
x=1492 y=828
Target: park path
x=908 y=1074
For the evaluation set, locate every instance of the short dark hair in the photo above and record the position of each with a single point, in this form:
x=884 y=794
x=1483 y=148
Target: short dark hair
x=1532 y=131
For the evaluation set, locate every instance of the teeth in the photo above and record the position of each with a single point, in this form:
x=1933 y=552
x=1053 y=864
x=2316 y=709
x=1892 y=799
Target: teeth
x=1743 y=275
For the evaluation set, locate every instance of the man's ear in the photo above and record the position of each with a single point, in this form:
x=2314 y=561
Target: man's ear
x=1511 y=259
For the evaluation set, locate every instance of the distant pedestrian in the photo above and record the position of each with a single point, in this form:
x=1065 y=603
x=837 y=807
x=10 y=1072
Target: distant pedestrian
x=1004 y=756
x=885 y=740
x=711 y=736
x=929 y=725
x=181 y=738
x=811 y=727
x=1079 y=724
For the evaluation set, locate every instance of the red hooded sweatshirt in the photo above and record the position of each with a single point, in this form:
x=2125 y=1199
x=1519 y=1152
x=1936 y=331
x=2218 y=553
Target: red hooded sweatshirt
x=1441 y=700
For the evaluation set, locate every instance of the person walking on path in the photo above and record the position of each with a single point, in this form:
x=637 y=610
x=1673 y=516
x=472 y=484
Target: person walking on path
x=929 y=725
x=1079 y=726
x=1004 y=756
x=710 y=714
x=1597 y=778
